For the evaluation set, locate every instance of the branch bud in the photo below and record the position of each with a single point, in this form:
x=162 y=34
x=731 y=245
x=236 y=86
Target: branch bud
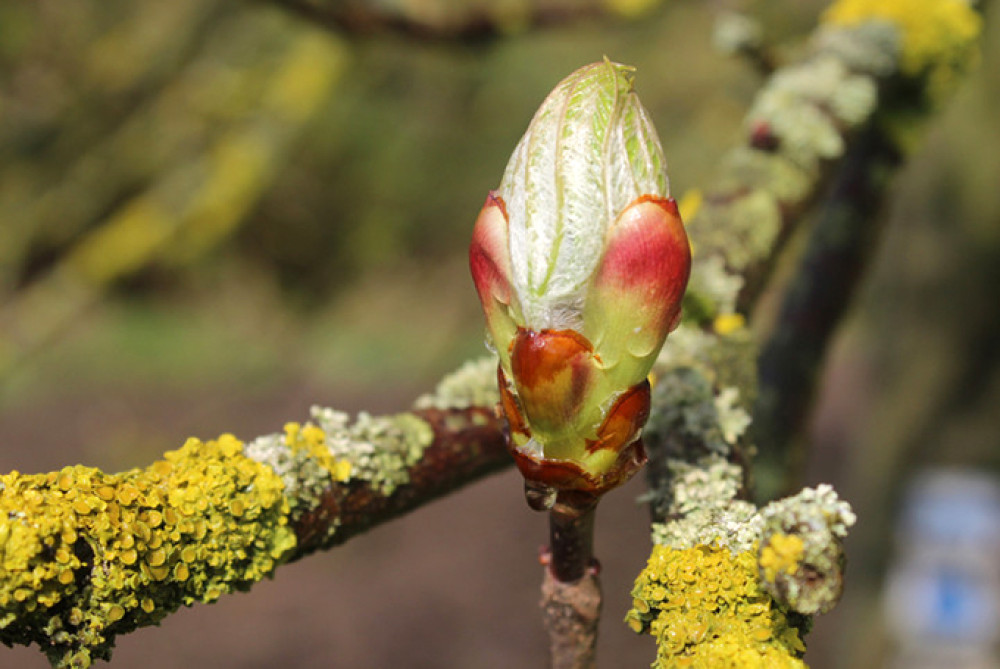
x=580 y=260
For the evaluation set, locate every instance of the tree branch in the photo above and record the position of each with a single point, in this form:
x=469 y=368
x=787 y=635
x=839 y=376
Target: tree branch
x=786 y=556
x=467 y=445
x=87 y=556
x=833 y=265
x=474 y=23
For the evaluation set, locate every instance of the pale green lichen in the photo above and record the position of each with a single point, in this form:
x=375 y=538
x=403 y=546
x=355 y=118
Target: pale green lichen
x=753 y=217
x=302 y=458
x=820 y=520
x=710 y=483
x=86 y=555
x=723 y=360
x=690 y=346
x=705 y=607
x=938 y=37
x=871 y=47
x=711 y=290
x=819 y=509
x=379 y=449
x=688 y=411
x=806 y=105
x=735 y=526
x=474 y=384
x=735 y=32
x=772 y=172
x=733 y=418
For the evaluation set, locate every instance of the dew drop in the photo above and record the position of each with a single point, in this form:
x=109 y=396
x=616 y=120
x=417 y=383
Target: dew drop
x=641 y=344
x=540 y=496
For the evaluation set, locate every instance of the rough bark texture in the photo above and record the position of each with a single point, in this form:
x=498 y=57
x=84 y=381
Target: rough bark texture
x=467 y=445
x=571 y=612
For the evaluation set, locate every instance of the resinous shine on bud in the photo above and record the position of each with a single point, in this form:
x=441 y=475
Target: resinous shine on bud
x=580 y=260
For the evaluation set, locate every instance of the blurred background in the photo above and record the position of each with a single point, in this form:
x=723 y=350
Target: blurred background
x=214 y=214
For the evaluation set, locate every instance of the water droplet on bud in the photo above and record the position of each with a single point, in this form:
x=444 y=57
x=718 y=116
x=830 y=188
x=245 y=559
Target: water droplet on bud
x=540 y=496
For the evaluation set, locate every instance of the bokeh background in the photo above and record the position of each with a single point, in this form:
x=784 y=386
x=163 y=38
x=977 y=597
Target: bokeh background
x=214 y=214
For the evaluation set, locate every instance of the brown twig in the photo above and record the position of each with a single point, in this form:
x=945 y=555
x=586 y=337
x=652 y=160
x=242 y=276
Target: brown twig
x=571 y=612
x=571 y=588
x=357 y=18
x=468 y=444
x=833 y=265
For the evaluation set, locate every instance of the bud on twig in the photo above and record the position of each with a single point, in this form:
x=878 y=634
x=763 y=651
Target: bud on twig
x=580 y=260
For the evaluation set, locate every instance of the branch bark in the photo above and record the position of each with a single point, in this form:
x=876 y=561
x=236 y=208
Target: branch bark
x=467 y=445
x=571 y=586
x=87 y=556
x=833 y=265
x=571 y=612
x=474 y=23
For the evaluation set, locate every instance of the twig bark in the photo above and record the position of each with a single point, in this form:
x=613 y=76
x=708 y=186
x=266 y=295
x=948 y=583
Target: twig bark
x=358 y=18
x=571 y=612
x=571 y=587
x=833 y=265
x=467 y=445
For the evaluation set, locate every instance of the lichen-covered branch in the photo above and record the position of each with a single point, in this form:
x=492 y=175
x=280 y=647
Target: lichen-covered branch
x=86 y=556
x=729 y=584
x=931 y=45
x=797 y=132
x=833 y=265
x=464 y=445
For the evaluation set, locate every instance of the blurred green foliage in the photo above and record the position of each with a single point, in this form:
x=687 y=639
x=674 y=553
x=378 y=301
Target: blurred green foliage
x=178 y=157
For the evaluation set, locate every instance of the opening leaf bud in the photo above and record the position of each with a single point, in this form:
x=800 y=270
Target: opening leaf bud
x=580 y=260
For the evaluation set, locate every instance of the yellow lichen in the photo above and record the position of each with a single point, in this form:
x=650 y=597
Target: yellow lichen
x=938 y=37
x=781 y=555
x=86 y=555
x=725 y=324
x=690 y=203
x=706 y=608
x=312 y=439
